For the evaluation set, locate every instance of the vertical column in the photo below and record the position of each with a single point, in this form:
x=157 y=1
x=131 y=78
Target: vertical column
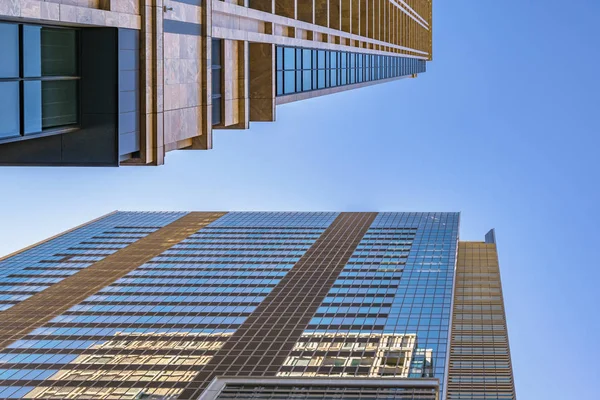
x=230 y=115
x=262 y=81
x=235 y=85
x=151 y=60
x=204 y=141
x=480 y=363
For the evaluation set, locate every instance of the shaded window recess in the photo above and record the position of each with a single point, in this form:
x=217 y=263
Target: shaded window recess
x=217 y=78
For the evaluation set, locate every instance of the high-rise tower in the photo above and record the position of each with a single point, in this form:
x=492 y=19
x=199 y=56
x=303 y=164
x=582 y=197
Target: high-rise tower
x=261 y=305
x=113 y=82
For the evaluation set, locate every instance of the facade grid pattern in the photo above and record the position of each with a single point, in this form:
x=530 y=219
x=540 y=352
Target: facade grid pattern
x=35 y=270
x=151 y=331
x=388 y=313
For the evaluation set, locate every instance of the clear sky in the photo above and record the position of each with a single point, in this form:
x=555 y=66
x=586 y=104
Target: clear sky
x=503 y=127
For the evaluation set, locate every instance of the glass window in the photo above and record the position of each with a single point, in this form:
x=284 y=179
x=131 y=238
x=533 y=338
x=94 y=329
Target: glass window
x=306 y=59
x=9 y=109
x=59 y=54
x=279 y=58
x=289 y=58
x=59 y=103
x=289 y=82
x=32 y=50
x=32 y=109
x=306 y=80
x=217 y=76
x=321 y=59
x=309 y=69
x=9 y=48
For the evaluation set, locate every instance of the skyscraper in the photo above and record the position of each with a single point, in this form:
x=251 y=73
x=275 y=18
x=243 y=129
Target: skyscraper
x=113 y=82
x=255 y=305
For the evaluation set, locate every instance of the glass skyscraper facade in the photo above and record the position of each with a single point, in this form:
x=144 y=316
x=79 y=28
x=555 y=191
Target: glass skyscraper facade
x=260 y=305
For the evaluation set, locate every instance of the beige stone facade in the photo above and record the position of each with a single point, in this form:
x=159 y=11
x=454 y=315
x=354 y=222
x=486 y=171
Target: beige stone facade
x=176 y=64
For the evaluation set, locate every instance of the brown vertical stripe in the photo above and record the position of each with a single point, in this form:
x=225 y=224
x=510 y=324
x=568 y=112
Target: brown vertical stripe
x=19 y=320
x=479 y=334
x=261 y=344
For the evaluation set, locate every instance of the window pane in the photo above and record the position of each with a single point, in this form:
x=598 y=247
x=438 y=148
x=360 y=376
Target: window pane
x=279 y=56
x=9 y=49
x=9 y=109
x=306 y=80
x=59 y=103
x=279 y=82
x=59 y=52
x=216 y=81
x=32 y=108
x=289 y=58
x=32 y=52
x=298 y=81
x=306 y=59
x=321 y=59
x=216 y=52
x=216 y=111
x=289 y=82
x=321 y=79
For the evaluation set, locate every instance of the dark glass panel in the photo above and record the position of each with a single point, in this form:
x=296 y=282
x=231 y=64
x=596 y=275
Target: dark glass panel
x=216 y=81
x=59 y=103
x=216 y=111
x=59 y=52
x=216 y=52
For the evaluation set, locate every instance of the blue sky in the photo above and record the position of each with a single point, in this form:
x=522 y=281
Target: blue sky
x=503 y=127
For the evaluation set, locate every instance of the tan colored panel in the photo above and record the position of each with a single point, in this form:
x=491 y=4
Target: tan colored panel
x=480 y=364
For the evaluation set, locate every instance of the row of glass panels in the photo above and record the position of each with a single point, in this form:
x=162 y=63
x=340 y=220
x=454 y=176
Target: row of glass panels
x=301 y=70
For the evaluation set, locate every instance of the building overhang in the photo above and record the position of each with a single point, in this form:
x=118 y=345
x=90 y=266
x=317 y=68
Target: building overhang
x=216 y=387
